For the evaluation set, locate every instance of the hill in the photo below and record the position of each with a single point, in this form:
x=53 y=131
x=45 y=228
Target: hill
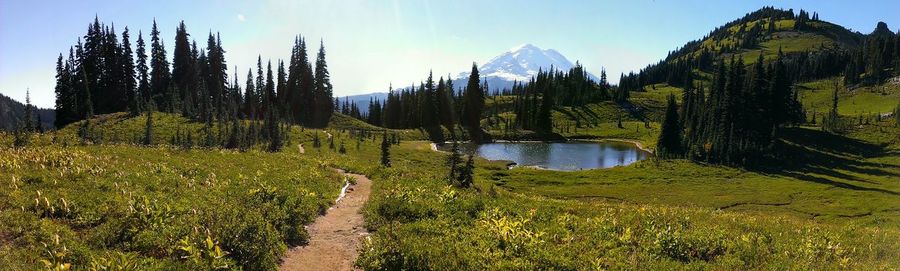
x=12 y=112
x=813 y=48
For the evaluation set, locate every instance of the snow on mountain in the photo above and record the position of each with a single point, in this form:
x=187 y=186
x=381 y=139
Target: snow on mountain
x=520 y=63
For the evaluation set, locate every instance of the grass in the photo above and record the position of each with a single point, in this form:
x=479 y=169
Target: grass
x=816 y=97
x=820 y=34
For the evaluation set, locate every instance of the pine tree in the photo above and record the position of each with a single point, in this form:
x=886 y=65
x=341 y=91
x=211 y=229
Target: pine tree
x=234 y=137
x=159 y=68
x=467 y=173
x=385 y=151
x=250 y=97
x=275 y=136
x=473 y=104
x=129 y=79
x=832 y=122
x=669 y=141
x=544 y=121
x=28 y=118
x=323 y=90
x=453 y=161
x=143 y=79
x=183 y=66
x=65 y=96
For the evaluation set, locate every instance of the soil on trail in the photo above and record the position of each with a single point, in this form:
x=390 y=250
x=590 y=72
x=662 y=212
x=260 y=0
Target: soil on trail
x=336 y=236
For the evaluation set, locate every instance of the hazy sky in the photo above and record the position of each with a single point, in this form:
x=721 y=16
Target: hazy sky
x=371 y=44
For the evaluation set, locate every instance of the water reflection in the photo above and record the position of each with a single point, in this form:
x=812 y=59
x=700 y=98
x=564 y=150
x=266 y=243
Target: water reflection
x=560 y=156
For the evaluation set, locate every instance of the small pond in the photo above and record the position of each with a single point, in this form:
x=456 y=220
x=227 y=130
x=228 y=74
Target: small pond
x=571 y=155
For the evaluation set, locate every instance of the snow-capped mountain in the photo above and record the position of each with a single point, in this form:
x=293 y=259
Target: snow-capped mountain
x=520 y=63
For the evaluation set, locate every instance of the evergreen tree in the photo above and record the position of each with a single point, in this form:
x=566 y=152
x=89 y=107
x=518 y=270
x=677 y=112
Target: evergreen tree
x=544 y=121
x=669 y=141
x=832 y=121
x=453 y=161
x=385 y=151
x=234 y=137
x=473 y=104
x=143 y=84
x=65 y=96
x=275 y=136
x=467 y=173
x=129 y=78
x=183 y=67
x=323 y=90
x=159 y=69
x=28 y=118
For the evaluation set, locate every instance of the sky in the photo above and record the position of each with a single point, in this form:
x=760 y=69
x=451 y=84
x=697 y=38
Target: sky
x=372 y=44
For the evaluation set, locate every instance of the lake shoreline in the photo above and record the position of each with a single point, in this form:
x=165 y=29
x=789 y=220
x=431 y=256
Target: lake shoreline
x=636 y=143
x=638 y=146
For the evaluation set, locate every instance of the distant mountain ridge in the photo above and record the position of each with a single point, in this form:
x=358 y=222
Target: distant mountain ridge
x=12 y=112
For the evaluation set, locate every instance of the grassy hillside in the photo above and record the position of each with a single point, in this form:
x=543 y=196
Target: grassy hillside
x=818 y=35
x=816 y=96
x=343 y=122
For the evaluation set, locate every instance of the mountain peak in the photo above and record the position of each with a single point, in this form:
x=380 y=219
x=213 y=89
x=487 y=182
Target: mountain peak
x=881 y=29
x=521 y=63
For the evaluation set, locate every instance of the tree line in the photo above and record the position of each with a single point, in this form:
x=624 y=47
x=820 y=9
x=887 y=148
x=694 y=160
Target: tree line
x=736 y=123
x=430 y=105
x=103 y=75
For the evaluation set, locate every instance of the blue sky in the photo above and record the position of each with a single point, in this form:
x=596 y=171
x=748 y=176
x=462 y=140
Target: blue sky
x=371 y=44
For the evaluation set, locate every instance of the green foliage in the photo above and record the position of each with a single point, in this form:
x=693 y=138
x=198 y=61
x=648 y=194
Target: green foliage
x=385 y=151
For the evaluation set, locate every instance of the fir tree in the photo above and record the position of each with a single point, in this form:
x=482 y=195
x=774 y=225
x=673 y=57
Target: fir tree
x=65 y=96
x=832 y=121
x=385 y=151
x=473 y=104
x=159 y=69
x=142 y=93
x=453 y=161
x=669 y=141
x=467 y=173
x=28 y=118
x=128 y=74
x=323 y=90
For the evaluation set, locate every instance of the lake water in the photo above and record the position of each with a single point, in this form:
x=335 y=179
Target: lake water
x=571 y=155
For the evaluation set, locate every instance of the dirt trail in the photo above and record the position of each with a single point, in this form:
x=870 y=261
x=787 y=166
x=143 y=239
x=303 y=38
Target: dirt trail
x=334 y=237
